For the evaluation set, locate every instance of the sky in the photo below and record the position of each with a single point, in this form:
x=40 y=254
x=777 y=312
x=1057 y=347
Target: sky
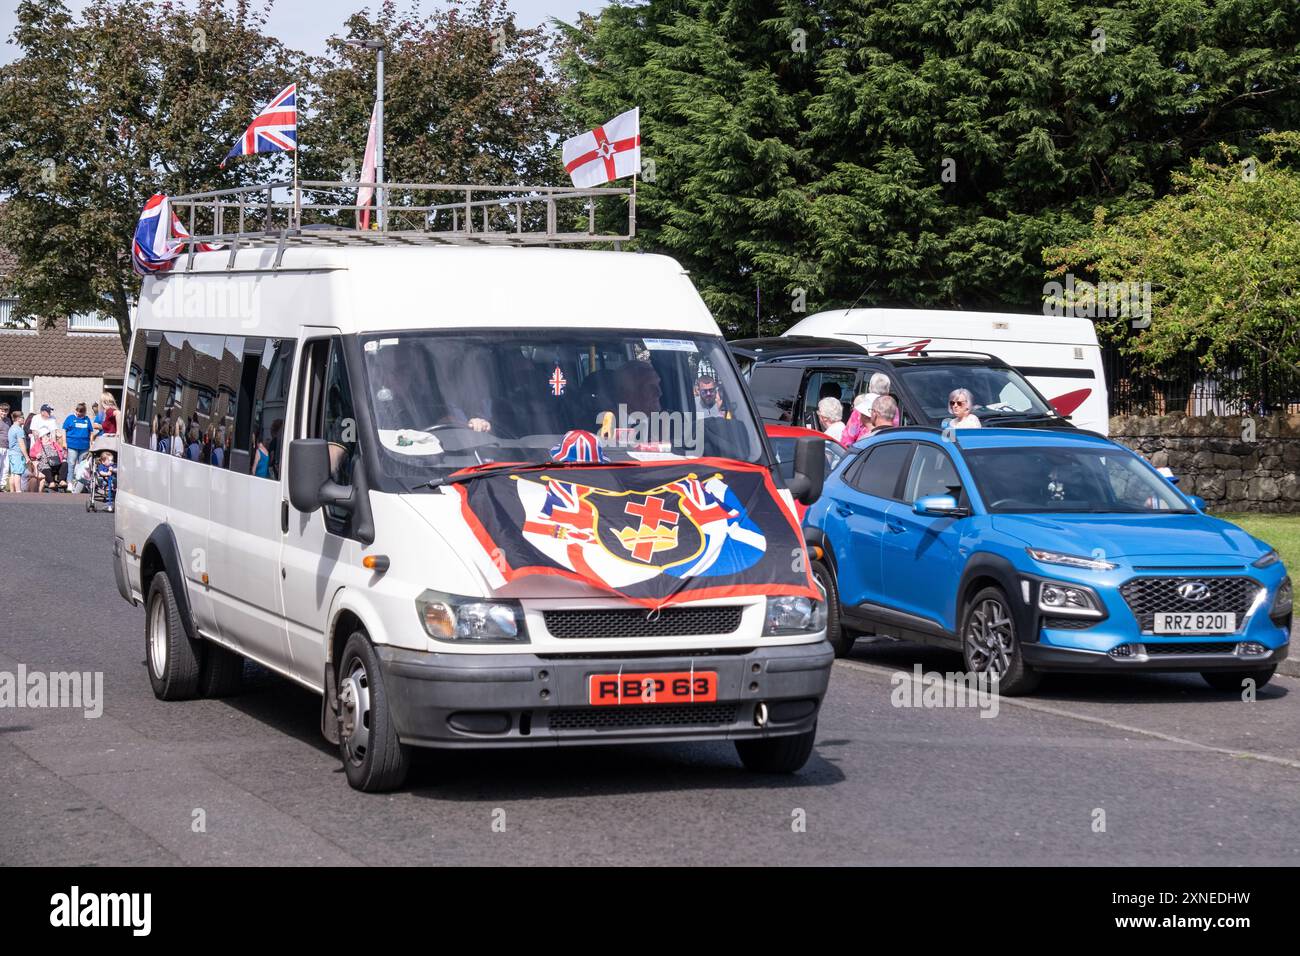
x=305 y=24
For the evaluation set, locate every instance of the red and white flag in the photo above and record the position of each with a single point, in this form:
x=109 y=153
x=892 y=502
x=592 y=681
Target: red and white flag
x=366 y=193
x=607 y=152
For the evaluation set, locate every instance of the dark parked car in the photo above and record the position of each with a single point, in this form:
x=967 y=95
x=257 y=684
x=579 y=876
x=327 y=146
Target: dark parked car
x=788 y=375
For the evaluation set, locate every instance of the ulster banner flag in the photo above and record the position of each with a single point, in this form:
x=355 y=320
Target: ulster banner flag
x=655 y=534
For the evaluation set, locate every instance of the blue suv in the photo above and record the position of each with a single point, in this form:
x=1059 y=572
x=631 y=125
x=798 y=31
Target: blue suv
x=1033 y=550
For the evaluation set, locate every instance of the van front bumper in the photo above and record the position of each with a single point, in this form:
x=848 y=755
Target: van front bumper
x=526 y=700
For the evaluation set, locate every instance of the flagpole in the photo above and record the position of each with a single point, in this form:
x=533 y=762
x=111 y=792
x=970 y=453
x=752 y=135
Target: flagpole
x=297 y=199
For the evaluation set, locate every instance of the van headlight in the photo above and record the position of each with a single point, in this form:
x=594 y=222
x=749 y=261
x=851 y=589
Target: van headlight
x=453 y=617
x=794 y=615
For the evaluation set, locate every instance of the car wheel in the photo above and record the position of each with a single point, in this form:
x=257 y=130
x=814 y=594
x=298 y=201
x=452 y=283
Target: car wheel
x=777 y=754
x=373 y=758
x=173 y=659
x=841 y=639
x=222 y=673
x=989 y=644
x=1233 y=680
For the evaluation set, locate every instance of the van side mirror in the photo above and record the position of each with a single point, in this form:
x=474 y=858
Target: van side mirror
x=310 y=486
x=809 y=470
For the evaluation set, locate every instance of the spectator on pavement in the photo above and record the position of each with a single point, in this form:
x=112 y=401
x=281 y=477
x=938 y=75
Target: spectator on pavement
x=107 y=423
x=78 y=427
x=42 y=424
x=830 y=413
x=4 y=446
x=17 y=453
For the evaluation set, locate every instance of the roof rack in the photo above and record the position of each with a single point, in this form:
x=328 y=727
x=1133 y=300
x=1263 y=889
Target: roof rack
x=411 y=214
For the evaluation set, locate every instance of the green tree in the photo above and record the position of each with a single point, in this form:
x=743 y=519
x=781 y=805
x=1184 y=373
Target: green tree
x=467 y=99
x=927 y=151
x=131 y=98
x=1222 y=254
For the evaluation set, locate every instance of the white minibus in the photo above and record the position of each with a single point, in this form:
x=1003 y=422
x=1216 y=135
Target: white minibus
x=345 y=460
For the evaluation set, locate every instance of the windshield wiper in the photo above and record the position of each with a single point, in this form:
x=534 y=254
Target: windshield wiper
x=497 y=468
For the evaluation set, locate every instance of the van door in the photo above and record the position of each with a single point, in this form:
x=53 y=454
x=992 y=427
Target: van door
x=318 y=549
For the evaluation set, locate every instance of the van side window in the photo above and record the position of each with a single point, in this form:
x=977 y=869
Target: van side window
x=137 y=410
x=196 y=379
x=225 y=407
x=271 y=374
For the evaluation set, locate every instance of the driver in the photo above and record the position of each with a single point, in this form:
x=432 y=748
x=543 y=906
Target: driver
x=637 y=385
x=468 y=391
x=959 y=403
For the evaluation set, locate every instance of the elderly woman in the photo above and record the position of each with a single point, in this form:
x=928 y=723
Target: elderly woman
x=959 y=403
x=830 y=413
x=859 y=425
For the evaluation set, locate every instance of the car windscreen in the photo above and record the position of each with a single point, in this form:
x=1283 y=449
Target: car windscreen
x=1057 y=479
x=997 y=392
x=446 y=400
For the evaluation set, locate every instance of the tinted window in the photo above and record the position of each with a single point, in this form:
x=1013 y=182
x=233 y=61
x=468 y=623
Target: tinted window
x=833 y=383
x=1069 y=479
x=775 y=389
x=137 y=408
x=877 y=472
x=270 y=399
x=783 y=449
x=931 y=473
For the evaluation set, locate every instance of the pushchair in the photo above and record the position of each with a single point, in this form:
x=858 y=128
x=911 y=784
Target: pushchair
x=103 y=488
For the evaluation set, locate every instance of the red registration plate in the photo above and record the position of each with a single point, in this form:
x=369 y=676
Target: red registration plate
x=680 y=687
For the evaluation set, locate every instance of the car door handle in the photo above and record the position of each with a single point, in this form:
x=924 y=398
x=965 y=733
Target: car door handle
x=895 y=528
x=840 y=510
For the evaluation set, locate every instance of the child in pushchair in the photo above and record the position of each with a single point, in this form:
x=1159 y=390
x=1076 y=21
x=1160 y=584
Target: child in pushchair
x=103 y=485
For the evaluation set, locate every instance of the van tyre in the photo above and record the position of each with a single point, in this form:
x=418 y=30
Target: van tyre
x=840 y=637
x=222 y=673
x=174 y=661
x=990 y=645
x=777 y=754
x=1232 y=680
x=373 y=758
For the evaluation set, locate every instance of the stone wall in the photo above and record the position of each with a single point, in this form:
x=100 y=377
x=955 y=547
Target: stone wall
x=1235 y=463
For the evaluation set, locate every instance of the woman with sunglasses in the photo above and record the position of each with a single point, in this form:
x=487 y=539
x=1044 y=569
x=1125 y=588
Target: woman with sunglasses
x=959 y=403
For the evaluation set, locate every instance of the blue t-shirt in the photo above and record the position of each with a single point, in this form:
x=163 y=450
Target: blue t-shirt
x=16 y=438
x=77 y=428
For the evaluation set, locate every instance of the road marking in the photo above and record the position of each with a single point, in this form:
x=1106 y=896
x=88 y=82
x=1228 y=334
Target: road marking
x=881 y=670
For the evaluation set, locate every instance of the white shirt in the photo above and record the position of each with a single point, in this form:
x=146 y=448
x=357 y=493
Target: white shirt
x=42 y=427
x=970 y=421
x=835 y=430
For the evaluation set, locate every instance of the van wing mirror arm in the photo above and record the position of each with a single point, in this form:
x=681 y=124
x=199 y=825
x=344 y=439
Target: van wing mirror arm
x=809 y=470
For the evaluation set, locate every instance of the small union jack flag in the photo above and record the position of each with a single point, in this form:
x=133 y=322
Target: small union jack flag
x=273 y=130
x=578 y=446
x=558 y=381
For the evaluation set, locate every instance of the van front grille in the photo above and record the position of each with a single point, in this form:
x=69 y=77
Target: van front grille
x=654 y=715
x=637 y=622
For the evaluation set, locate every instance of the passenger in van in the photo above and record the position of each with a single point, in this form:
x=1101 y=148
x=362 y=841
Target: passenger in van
x=708 y=398
x=830 y=413
x=960 y=402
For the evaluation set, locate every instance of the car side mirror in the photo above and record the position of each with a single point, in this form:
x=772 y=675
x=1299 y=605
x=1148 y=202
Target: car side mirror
x=809 y=470
x=938 y=506
x=1197 y=502
x=310 y=485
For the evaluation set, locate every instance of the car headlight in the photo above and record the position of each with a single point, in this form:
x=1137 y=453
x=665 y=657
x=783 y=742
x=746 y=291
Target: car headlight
x=452 y=617
x=1266 y=560
x=1069 y=560
x=1283 y=600
x=794 y=615
x=1069 y=600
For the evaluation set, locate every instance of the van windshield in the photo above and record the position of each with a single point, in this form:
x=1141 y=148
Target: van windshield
x=449 y=400
x=998 y=393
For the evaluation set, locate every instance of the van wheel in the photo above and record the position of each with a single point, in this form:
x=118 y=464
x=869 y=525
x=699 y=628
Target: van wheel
x=841 y=639
x=1232 y=680
x=989 y=644
x=172 y=658
x=777 y=754
x=222 y=674
x=373 y=758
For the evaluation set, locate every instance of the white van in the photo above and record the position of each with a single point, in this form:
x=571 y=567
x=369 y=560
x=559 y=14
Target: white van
x=301 y=426
x=1059 y=355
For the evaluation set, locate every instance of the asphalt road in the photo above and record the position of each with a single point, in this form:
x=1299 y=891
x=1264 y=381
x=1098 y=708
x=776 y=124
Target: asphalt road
x=1184 y=775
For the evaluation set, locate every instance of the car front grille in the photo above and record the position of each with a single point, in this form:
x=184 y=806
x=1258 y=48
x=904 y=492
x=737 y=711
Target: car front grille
x=631 y=718
x=1200 y=647
x=1147 y=597
x=636 y=622
x=1068 y=623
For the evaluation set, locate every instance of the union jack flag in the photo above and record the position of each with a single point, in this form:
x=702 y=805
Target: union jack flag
x=158 y=237
x=273 y=130
x=578 y=446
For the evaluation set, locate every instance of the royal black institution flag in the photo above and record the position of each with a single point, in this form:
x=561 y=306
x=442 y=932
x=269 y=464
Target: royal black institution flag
x=656 y=534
